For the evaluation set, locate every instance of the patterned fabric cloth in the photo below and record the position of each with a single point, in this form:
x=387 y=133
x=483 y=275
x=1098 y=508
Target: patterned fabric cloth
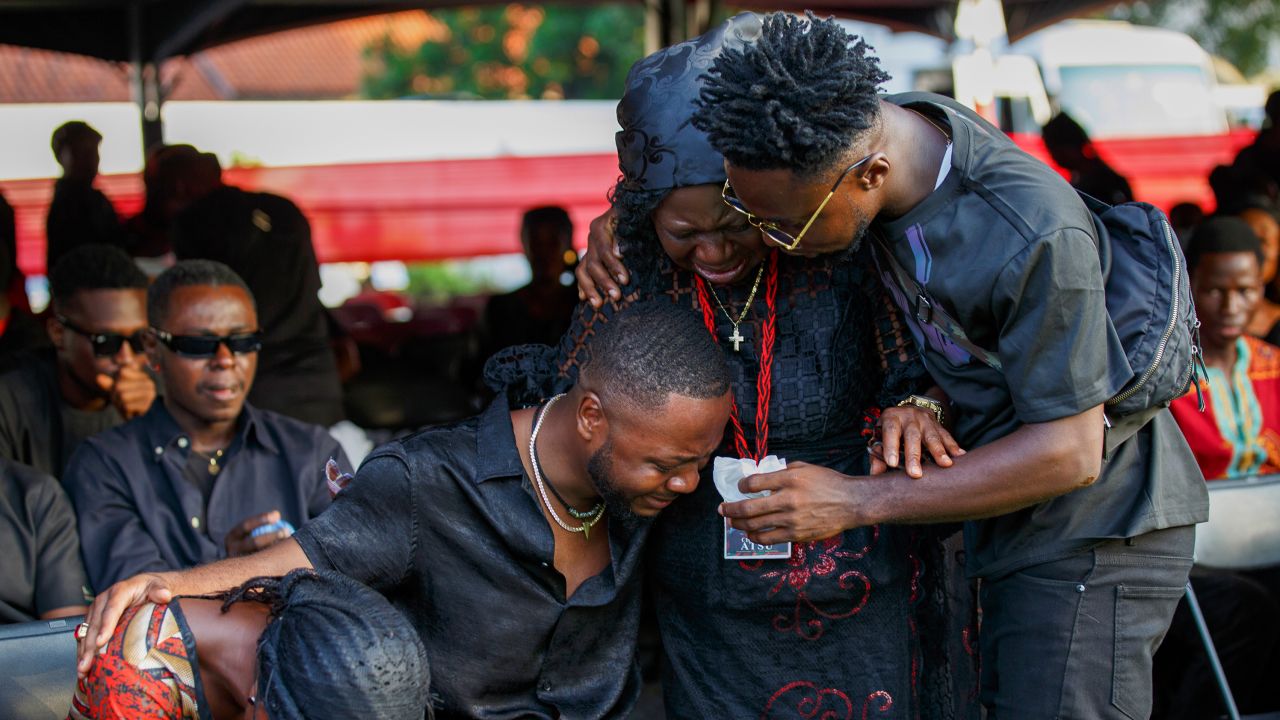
x=1238 y=434
x=148 y=672
x=864 y=624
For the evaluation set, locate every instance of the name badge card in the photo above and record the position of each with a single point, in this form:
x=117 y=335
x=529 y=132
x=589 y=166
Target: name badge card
x=726 y=472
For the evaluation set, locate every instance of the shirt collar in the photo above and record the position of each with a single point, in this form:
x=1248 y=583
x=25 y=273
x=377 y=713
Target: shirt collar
x=163 y=431
x=496 y=454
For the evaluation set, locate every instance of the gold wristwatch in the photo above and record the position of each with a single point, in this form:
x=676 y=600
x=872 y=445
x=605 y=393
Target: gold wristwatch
x=925 y=402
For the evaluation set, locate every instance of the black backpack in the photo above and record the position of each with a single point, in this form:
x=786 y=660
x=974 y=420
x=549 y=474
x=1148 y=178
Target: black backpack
x=1148 y=298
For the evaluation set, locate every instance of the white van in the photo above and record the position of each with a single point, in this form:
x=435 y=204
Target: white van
x=1122 y=80
x=1118 y=80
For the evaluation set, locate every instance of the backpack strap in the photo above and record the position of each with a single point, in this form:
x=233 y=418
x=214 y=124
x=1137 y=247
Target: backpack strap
x=927 y=311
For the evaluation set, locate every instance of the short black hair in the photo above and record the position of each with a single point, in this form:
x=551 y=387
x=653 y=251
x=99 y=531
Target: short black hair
x=652 y=349
x=93 y=267
x=68 y=131
x=1222 y=234
x=545 y=215
x=189 y=273
x=798 y=98
x=1063 y=131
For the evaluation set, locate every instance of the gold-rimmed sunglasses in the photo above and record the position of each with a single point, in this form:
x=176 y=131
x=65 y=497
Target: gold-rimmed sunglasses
x=784 y=239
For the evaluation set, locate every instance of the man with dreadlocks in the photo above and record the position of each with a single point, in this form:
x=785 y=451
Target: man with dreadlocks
x=1082 y=561
x=813 y=344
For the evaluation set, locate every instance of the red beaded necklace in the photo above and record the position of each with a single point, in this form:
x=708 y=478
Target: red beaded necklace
x=764 y=381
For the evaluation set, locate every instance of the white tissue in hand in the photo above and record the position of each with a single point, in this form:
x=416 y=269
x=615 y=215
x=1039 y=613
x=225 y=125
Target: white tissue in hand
x=726 y=472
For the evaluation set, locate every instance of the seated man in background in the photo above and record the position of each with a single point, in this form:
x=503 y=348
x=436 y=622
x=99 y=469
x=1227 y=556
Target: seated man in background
x=266 y=240
x=39 y=549
x=50 y=402
x=1238 y=435
x=307 y=645
x=203 y=474
x=513 y=540
x=540 y=311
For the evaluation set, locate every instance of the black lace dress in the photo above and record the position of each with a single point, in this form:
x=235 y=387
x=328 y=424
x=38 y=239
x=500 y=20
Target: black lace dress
x=865 y=624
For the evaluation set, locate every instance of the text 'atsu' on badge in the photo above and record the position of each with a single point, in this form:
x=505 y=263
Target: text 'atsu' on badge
x=737 y=546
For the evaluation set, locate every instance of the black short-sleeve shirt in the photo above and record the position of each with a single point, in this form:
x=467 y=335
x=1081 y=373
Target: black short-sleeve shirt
x=445 y=523
x=39 y=549
x=1008 y=249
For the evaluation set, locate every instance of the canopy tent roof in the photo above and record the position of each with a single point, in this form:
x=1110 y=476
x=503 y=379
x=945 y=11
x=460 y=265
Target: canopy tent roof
x=151 y=30
x=165 y=28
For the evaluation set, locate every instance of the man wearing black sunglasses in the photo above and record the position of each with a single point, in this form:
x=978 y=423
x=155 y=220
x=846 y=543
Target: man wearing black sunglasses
x=95 y=378
x=203 y=474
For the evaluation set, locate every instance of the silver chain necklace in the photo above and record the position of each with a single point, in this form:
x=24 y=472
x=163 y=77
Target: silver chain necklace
x=587 y=523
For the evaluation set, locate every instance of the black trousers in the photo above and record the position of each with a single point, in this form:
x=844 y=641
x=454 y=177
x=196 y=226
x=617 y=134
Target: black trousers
x=1074 y=638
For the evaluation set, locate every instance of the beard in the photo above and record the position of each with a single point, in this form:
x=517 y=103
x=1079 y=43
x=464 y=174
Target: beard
x=616 y=504
x=859 y=233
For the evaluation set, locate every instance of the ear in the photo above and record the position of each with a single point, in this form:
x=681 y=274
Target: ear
x=875 y=172
x=592 y=425
x=56 y=331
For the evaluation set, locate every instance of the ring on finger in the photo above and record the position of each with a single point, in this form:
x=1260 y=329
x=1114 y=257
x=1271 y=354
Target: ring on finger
x=82 y=631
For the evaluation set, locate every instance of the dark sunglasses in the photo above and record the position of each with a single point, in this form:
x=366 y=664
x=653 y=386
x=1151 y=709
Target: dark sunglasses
x=206 y=346
x=104 y=344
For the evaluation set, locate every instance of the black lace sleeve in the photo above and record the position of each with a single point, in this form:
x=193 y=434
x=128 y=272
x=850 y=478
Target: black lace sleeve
x=526 y=374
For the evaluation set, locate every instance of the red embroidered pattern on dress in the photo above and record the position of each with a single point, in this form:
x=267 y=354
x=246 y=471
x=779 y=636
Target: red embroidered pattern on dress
x=817 y=561
x=886 y=703
x=805 y=699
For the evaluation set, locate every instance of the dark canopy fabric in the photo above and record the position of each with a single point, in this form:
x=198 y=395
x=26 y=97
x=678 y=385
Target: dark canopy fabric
x=105 y=28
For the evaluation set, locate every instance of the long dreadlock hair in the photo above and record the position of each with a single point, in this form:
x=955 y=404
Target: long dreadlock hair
x=798 y=98
x=264 y=590
x=641 y=252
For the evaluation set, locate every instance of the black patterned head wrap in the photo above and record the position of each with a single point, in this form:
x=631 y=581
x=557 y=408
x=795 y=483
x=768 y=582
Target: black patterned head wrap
x=658 y=148
x=337 y=649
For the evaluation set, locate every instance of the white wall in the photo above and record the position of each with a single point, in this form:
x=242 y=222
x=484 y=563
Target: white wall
x=316 y=133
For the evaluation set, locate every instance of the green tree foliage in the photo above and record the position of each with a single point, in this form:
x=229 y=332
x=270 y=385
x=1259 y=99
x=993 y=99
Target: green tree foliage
x=1239 y=30
x=514 y=51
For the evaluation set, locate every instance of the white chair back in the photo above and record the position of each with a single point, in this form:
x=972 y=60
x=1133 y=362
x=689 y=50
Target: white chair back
x=1243 y=531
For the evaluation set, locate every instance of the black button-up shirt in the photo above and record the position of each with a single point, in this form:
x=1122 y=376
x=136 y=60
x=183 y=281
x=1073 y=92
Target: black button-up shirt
x=445 y=523
x=139 y=513
x=39 y=556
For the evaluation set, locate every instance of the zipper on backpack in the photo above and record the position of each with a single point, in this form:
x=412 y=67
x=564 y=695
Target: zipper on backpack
x=1173 y=319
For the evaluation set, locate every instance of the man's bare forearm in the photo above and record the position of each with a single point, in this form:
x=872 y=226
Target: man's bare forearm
x=1031 y=465
x=278 y=559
